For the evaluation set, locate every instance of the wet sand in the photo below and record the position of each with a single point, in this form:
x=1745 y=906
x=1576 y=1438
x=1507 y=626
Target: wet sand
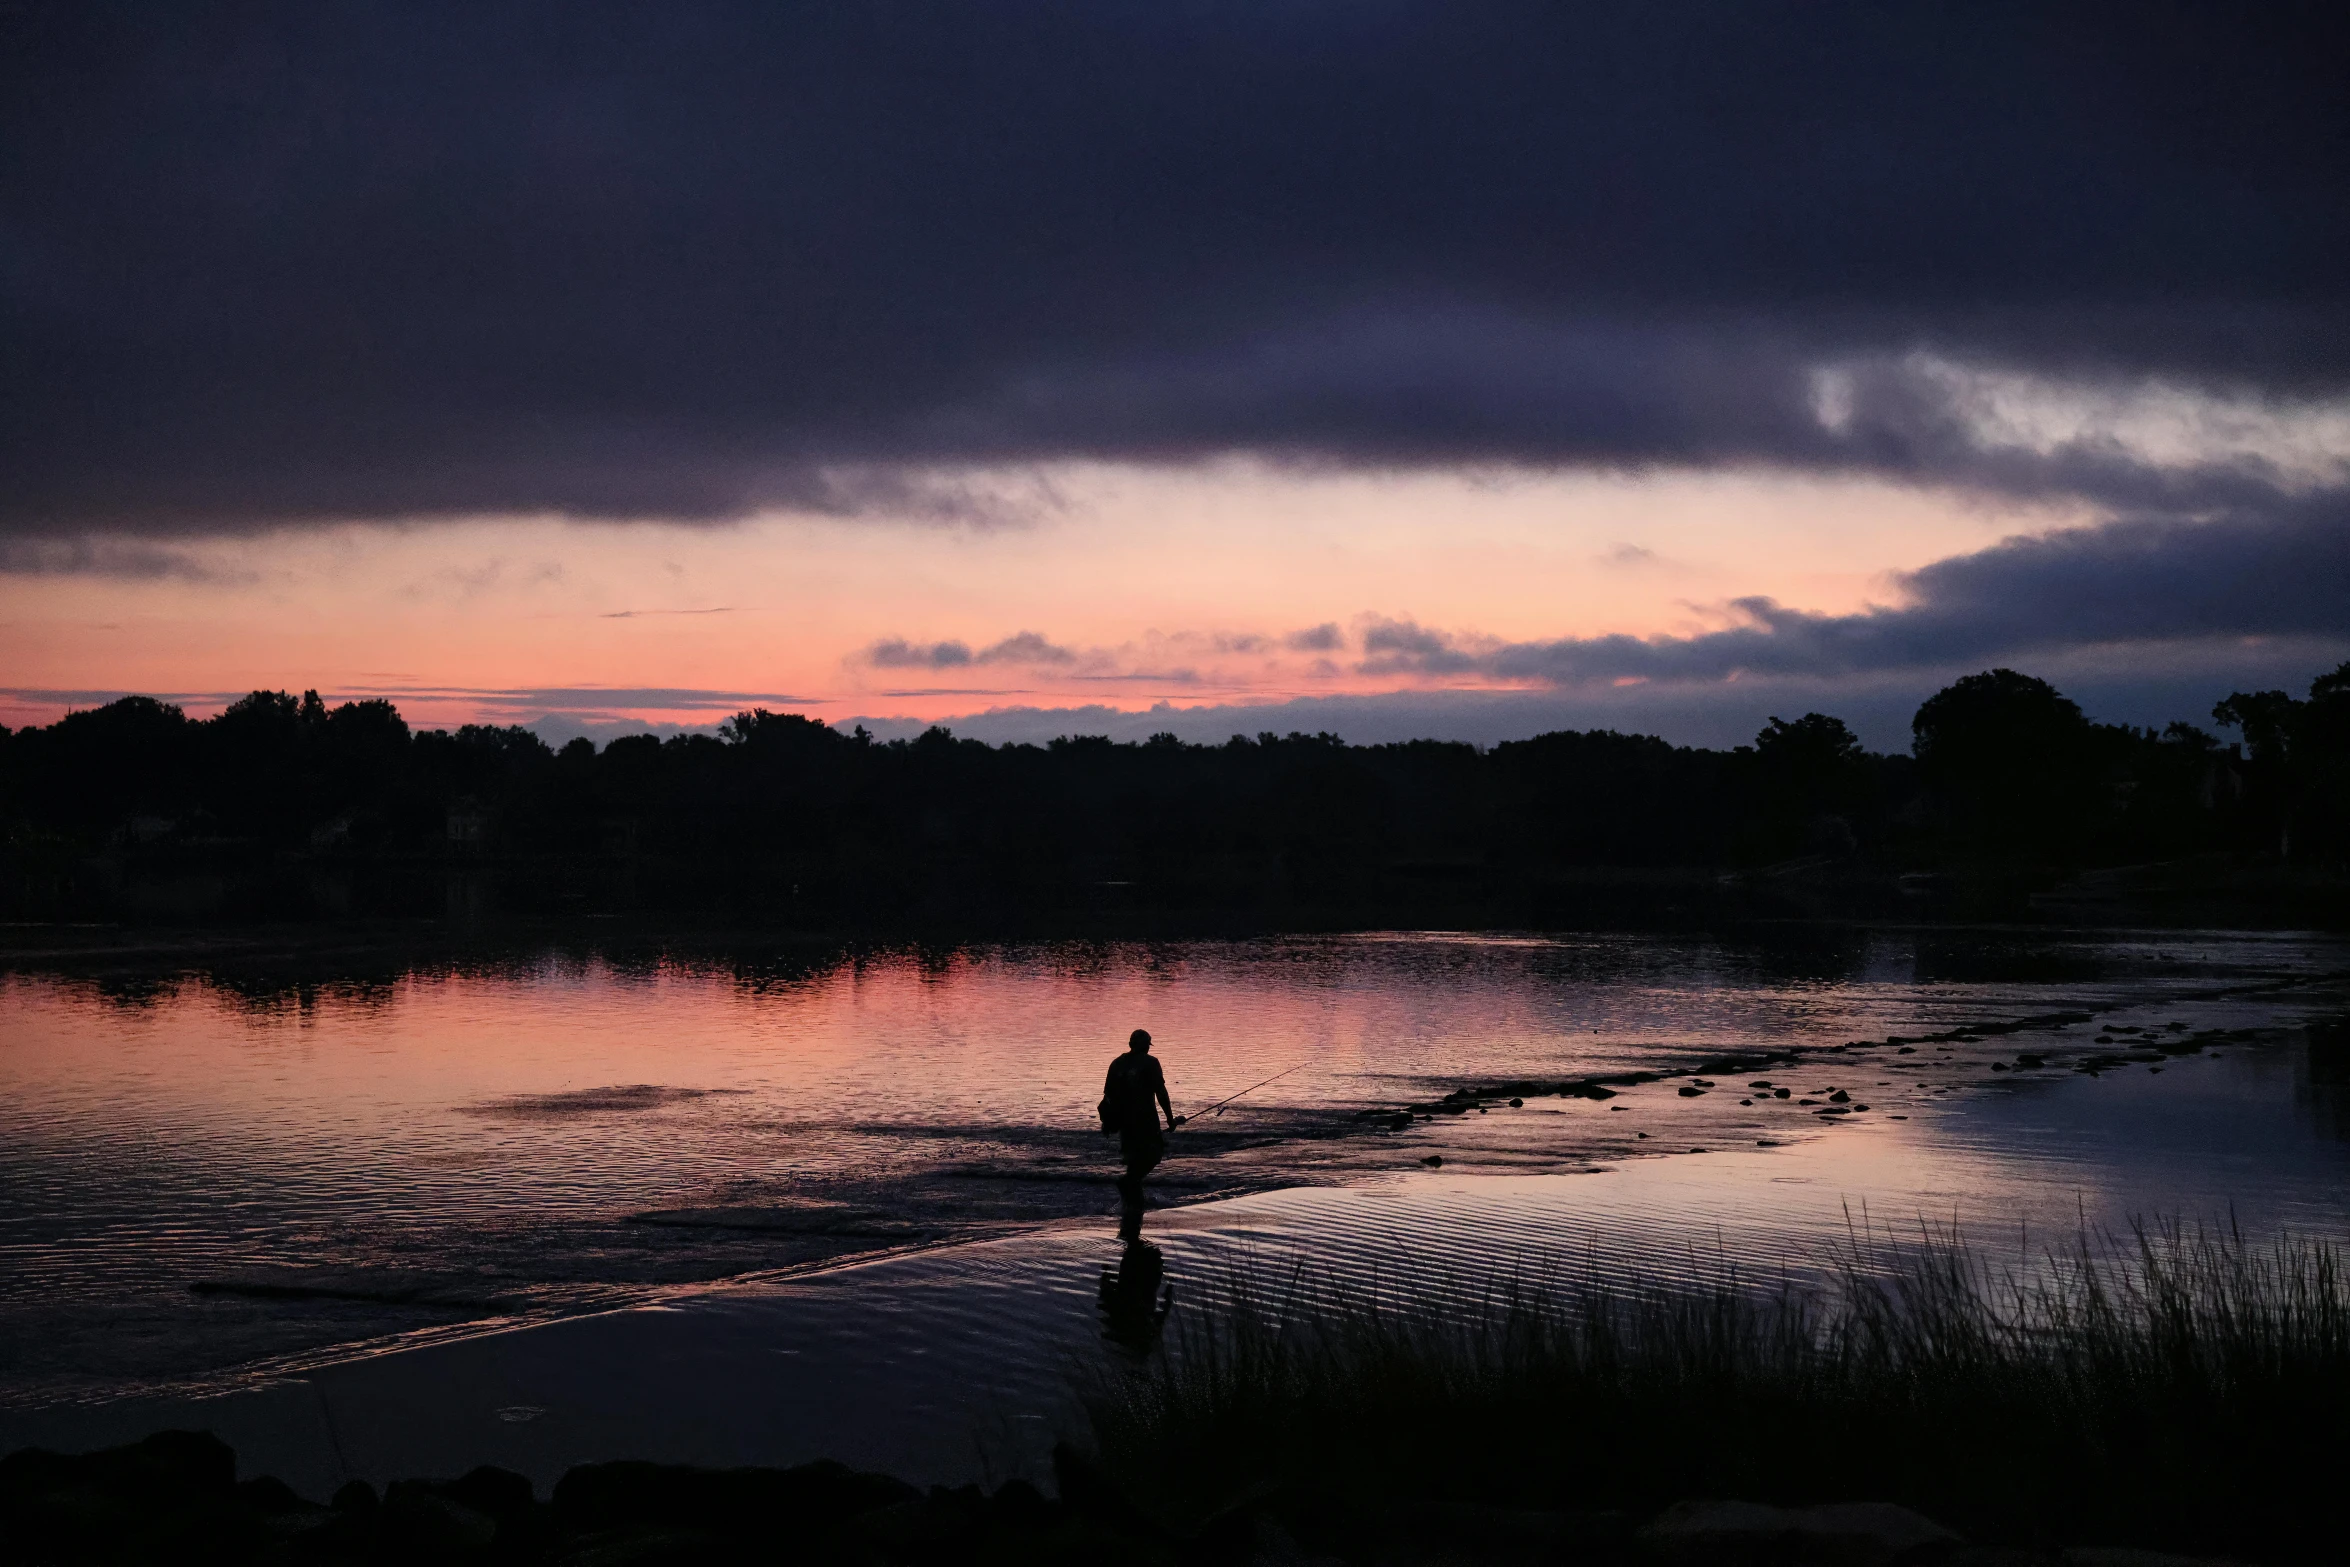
x=956 y=1362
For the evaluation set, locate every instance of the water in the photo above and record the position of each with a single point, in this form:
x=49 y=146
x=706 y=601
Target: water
x=206 y=1176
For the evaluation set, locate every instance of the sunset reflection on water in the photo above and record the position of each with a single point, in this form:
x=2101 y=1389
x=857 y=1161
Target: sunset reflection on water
x=337 y=1158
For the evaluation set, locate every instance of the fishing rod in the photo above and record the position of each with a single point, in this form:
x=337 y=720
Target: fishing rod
x=1218 y=1107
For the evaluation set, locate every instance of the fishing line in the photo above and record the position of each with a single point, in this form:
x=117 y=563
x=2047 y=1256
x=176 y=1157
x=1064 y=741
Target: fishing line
x=1218 y=1107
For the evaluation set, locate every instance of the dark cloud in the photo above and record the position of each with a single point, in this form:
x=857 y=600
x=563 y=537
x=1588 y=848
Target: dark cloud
x=1407 y=647
x=1154 y=661
x=557 y=713
x=85 y=697
x=898 y=653
x=302 y=261
x=968 y=693
x=645 y=698
x=1324 y=638
x=2122 y=582
x=639 y=614
x=1025 y=647
x=135 y=559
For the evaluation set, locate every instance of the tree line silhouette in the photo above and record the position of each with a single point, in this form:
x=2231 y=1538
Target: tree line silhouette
x=284 y=807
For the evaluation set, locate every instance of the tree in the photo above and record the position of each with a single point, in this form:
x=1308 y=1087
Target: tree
x=1811 y=779
x=2016 y=766
x=2299 y=763
x=107 y=763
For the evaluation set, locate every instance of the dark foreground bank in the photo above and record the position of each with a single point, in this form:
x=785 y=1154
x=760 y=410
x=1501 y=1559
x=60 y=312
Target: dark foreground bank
x=2172 y=1391
x=175 y=1498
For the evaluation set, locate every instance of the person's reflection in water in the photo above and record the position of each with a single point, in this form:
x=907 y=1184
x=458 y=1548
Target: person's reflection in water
x=1136 y=1296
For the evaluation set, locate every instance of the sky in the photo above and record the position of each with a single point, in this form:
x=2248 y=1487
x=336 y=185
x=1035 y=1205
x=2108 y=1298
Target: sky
x=1401 y=370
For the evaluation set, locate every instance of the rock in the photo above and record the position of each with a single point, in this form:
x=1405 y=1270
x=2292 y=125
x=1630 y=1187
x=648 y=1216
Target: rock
x=192 y=1462
x=1019 y=1505
x=1780 y=1093
x=736 y=1503
x=1268 y=1544
x=355 y=1496
x=1642 y=1135
x=1839 y=1097
x=417 y=1514
x=1690 y=1093
x=171 y=1497
x=269 y=1494
x=954 y=1524
x=1517 y=1104
x=2031 y=1061
x=197 y=1459
x=1746 y=1101
x=497 y=1492
x=1846 y=1534
x=1508 y=1534
x=1760 y=1082
x=1090 y=1492
x=1999 y=1066
x=1905 y=1050
x=1435 y=1159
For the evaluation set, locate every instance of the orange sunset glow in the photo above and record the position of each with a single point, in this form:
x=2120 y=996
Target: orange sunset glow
x=1234 y=585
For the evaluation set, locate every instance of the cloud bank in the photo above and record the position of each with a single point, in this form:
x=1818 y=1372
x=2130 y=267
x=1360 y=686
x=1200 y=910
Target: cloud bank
x=2120 y=583
x=2129 y=581
x=293 y=262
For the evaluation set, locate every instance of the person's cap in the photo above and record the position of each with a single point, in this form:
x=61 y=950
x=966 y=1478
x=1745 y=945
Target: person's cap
x=1140 y=1038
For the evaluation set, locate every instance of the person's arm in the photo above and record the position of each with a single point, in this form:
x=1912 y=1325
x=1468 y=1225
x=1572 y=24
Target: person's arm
x=1159 y=1087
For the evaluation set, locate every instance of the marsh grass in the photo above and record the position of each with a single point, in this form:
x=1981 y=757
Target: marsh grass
x=2170 y=1386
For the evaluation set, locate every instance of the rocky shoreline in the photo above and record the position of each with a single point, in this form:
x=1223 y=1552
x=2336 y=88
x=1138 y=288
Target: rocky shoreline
x=175 y=1497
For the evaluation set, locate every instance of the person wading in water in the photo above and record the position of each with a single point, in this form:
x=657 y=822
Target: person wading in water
x=1134 y=1095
